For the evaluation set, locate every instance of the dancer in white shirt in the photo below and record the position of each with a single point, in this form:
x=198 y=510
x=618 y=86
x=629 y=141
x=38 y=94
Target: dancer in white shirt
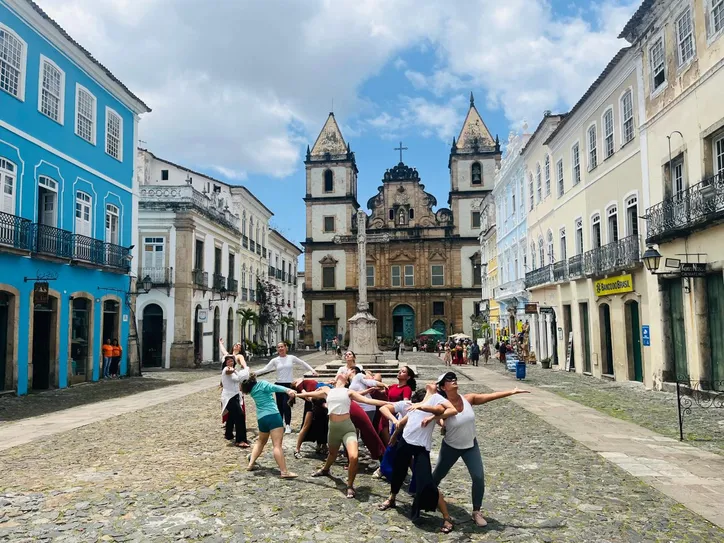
x=230 y=380
x=284 y=366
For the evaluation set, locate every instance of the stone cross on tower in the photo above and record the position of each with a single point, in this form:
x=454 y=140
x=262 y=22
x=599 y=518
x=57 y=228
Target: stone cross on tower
x=363 y=325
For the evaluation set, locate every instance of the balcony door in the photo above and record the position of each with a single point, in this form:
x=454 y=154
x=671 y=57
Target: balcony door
x=83 y=214
x=47 y=201
x=154 y=259
x=112 y=224
x=7 y=185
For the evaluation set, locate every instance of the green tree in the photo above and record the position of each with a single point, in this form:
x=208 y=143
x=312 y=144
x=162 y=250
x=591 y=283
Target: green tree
x=287 y=322
x=247 y=315
x=270 y=310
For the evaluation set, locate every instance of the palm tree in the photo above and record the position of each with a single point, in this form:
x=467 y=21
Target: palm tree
x=286 y=321
x=246 y=316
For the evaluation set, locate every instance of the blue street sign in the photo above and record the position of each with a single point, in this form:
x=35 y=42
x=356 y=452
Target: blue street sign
x=646 y=335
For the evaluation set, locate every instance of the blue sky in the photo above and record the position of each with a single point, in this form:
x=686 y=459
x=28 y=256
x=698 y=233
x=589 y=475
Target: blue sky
x=240 y=88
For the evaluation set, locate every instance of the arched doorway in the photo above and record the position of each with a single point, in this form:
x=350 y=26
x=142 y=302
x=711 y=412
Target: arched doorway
x=6 y=333
x=633 y=341
x=403 y=322
x=230 y=329
x=152 y=338
x=45 y=328
x=111 y=319
x=439 y=326
x=217 y=334
x=80 y=318
x=198 y=336
x=604 y=317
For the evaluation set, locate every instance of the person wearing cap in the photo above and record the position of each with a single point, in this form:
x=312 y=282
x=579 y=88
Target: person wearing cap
x=231 y=402
x=415 y=443
x=459 y=439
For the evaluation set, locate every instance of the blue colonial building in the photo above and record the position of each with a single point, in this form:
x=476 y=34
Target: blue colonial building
x=68 y=133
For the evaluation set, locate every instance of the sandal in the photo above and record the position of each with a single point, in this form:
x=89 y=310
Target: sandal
x=298 y=455
x=479 y=519
x=447 y=525
x=288 y=475
x=321 y=473
x=350 y=492
x=243 y=445
x=389 y=503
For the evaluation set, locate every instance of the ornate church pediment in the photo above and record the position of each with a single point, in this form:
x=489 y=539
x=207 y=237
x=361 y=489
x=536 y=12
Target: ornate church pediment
x=328 y=260
x=401 y=172
x=402 y=256
x=436 y=256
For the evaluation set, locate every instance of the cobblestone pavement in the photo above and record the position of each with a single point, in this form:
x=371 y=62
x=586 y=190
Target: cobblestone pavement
x=166 y=474
x=630 y=401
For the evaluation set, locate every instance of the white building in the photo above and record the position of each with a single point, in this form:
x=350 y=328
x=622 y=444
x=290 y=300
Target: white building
x=283 y=258
x=301 y=312
x=198 y=238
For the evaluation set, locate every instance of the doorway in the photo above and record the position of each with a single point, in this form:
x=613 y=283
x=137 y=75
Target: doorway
x=45 y=325
x=715 y=310
x=217 y=335
x=403 y=322
x=567 y=322
x=439 y=326
x=604 y=316
x=633 y=341
x=329 y=332
x=152 y=338
x=677 y=341
x=110 y=320
x=198 y=336
x=230 y=329
x=80 y=315
x=586 y=331
x=5 y=335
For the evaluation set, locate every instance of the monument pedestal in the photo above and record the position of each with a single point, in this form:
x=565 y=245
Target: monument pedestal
x=363 y=337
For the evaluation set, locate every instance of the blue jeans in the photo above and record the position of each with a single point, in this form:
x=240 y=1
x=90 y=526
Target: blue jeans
x=473 y=461
x=107 y=365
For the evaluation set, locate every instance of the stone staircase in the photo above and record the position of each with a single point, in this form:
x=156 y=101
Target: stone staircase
x=388 y=369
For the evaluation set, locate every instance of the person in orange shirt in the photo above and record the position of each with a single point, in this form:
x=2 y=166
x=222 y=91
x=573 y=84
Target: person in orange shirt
x=107 y=349
x=116 y=362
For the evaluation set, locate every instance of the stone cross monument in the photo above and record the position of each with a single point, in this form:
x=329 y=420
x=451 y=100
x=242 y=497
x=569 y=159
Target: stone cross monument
x=363 y=325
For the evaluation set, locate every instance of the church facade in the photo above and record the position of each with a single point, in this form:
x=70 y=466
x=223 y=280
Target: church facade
x=428 y=275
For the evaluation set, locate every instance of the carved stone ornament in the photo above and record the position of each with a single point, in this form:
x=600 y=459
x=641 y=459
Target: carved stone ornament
x=328 y=260
x=401 y=172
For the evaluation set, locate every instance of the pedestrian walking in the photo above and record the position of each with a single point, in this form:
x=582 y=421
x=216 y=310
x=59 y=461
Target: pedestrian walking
x=269 y=421
x=486 y=351
x=447 y=359
x=475 y=353
x=107 y=349
x=284 y=366
x=502 y=351
x=231 y=401
x=460 y=439
x=116 y=352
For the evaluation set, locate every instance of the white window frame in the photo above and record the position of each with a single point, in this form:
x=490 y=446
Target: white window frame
x=592 y=146
x=547 y=174
x=532 y=255
x=23 y=64
x=83 y=198
x=531 y=189
x=440 y=276
x=562 y=242
x=411 y=275
x=596 y=220
x=560 y=182
x=690 y=36
x=578 y=222
x=624 y=119
x=538 y=182
x=612 y=211
x=112 y=210
x=631 y=200
x=5 y=173
x=576 y=163
x=541 y=252
x=551 y=248
x=606 y=133
x=655 y=42
x=94 y=121
x=472 y=221
x=369 y=267
x=109 y=114
x=397 y=269
x=324 y=224
x=718 y=169
x=61 y=96
x=714 y=33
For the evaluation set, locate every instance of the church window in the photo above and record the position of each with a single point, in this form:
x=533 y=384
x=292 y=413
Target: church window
x=328 y=310
x=401 y=217
x=392 y=214
x=370 y=276
x=477 y=174
x=328 y=181
x=329 y=224
x=409 y=275
x=328 y=277
x=438 y=275
x=164 y=175
x=438 y=308
x=412 y=214
x=396 y=278
x=475 y=219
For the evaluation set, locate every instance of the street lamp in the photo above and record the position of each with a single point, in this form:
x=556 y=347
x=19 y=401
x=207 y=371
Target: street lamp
x=652 y=259
x=147 y=284
x=223 y=293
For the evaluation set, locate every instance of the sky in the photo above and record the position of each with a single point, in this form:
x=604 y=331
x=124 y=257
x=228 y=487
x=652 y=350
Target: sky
x=239 y=88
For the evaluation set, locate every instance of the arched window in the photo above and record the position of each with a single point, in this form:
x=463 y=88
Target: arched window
x=243 y=222
x=48 y=202
x=328 y=181
x=547 y=172
x=541 y=252
x=551 y=255
x=532 y=256
x=531 y=194
x=596 y=231
x=539 y=188
x=612 y=217
x=7 y=186
x=608 y=133
x=632 y=219
x=412 y=214
x=476 y=174
x=592 y=153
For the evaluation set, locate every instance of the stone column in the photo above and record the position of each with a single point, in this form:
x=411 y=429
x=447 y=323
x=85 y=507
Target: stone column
x=182 y=348
x=549 y=329
x=534 y=335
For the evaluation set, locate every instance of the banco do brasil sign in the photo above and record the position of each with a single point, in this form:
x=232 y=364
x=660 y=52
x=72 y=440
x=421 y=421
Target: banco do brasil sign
x=614 y=285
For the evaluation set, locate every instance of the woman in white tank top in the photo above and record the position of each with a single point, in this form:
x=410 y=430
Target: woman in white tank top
x=341 y=429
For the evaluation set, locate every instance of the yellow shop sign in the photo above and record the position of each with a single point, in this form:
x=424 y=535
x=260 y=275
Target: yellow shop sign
x=614 y=285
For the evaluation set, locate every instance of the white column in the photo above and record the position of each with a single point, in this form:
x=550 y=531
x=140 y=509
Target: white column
x=542 y=337
x=549 y=329
x=534 y=335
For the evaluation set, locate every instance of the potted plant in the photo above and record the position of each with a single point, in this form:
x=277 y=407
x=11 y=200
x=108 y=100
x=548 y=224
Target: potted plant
x=545 y=363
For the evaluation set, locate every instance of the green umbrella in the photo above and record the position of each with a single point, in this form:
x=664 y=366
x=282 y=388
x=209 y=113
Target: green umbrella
x=432 y=332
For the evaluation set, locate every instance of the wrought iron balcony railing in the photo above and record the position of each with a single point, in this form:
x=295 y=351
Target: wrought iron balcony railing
x=200 y=278
x=52 y=241
x=15 y=231
x=560 y=270
x=245 y=242
x=232 y=286
x=575 y=266
x=263 y=252
x=258 y=249
x=252 y=295
x=244 y=294
x=252 y=245
x=612 y=256
x=541 y=276
x=219 y=281
x=692 y=208
x=160 y=277
x=272 y=271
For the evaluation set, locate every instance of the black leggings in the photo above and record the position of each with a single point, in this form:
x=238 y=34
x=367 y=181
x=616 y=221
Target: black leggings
x=236 y=419
x=282 y=404
x=426 y=493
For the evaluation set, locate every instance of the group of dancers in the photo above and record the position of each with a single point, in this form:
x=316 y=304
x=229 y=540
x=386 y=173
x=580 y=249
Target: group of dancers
x=396 y=424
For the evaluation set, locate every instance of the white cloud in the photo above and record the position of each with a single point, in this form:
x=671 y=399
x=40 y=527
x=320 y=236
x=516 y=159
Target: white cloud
x=241 y=87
